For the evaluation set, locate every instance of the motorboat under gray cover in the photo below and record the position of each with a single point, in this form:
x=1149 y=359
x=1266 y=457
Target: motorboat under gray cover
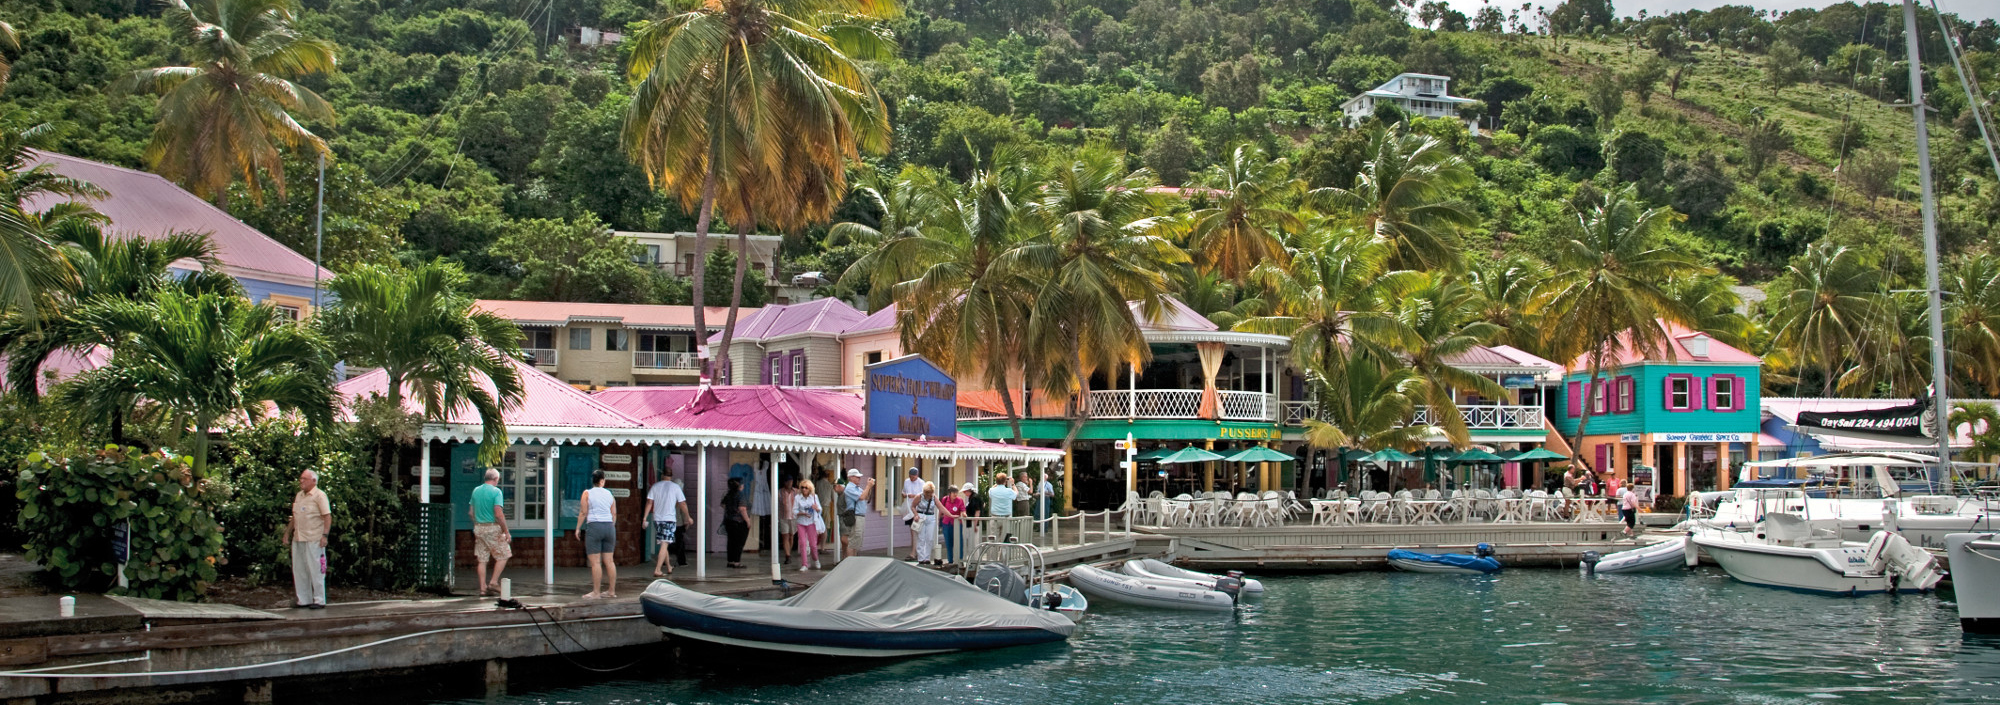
x=866 y=603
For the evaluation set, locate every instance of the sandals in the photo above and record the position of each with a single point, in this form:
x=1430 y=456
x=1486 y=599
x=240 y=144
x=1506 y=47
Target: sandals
x=591 y=596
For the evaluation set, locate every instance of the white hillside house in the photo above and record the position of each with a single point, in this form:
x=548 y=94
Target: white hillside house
x=1419 y=94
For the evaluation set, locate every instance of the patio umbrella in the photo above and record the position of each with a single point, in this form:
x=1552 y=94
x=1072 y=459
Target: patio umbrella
x=1189 y=454
x=1537 y=455
x=1154 y=454
x=1474 y=455
x=1257 y=454
x=1389 y=455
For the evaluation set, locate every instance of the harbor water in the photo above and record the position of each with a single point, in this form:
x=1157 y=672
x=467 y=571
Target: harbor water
x=1523 y=636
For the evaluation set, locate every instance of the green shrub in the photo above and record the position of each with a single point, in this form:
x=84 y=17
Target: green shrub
x=70 y=504
x=370 y=522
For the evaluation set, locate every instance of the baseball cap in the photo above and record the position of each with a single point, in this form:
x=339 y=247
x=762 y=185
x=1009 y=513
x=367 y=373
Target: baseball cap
x=913 y=470
x=851 y=472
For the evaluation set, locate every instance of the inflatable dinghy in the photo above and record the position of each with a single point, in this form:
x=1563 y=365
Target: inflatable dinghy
x=1412 y=561
x=1134 y=591
x=1666 y=555
x=1149 y=569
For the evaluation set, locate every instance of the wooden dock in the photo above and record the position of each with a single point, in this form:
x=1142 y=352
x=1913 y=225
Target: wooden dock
x=1363 y=547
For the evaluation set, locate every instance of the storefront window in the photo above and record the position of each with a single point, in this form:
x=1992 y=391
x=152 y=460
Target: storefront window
x=522 y=473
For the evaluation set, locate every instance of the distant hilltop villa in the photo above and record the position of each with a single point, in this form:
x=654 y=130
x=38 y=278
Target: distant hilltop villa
x=1420 y=94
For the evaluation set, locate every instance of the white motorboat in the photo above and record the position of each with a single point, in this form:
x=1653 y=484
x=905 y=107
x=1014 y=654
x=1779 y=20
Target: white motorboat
x=1975 y=577
x=1671 y=554
x=1026 y=583
x=1161 y=571
x=1134 y=591
x=1855 y=490
x=1069 y=603
x=1787 y=551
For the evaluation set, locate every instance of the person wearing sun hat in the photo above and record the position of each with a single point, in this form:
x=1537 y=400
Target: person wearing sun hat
x=854 y=511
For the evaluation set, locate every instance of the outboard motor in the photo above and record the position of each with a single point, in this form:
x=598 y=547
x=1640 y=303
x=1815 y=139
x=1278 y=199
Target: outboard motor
x=1484 y=550
x=1231 y=584
x=1590 y=559
x=1052 y=600
x=1000 y=580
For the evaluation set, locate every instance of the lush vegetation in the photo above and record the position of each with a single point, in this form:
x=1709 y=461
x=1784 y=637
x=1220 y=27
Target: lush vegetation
x=72 y=503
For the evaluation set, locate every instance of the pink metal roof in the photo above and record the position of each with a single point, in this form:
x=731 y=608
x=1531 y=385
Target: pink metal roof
x=829 y=316
x=64 y=364
x=1175 y=316
x=1677 y=336
x=880 y=320
x=768 y=409
x=1526 y=358
x=1481 y=356
x=630 y=315
x=546 y=401
x=146 y=205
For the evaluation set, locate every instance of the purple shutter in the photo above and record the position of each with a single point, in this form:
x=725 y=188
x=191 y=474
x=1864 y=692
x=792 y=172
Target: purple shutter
x=1574 y=392
x=1603 y=457
x=764 y=370
x=803 y=362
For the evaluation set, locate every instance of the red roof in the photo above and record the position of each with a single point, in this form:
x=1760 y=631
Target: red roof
x=546 y=401
x=630 y=315
x=1677 y=339
x=148 y=205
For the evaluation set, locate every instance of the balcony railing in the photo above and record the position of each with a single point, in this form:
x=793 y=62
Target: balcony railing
x=642 y=360
x=1161 y=404
x=1484 y=417
x=541 y=357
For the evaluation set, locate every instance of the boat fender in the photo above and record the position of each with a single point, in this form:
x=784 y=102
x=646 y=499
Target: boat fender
x=1231 y=584
x=1590 y=559
x=1484 y=550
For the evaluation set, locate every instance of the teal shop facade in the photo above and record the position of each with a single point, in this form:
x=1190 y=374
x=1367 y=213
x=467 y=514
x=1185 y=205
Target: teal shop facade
x=1668 y=423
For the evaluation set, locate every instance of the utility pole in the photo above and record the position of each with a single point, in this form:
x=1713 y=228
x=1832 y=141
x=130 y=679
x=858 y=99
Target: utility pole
x=319 y=233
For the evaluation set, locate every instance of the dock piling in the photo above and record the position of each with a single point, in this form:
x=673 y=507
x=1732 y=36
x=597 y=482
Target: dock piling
x=496 y=677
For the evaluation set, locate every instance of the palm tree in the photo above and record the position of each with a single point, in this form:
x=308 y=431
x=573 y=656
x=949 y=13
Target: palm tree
x=908 y=203
x=32 y=262
x=1369 y=408
x=1332 y=302
x=1831 y=304
x=12 y=41
x=755 y=105
x=423 y=331
x=1892 y=355
x=1712 y=299
x=1437 y=320
x=202 y=358
x=1607 y=288
x=1098 y=252
x=1984 y=428
x=1245 y=225
x=1404 y=195
x=1972 y=314
x=1222 y=302
x=230 y=115
x=954 y=303
x=1506 y=295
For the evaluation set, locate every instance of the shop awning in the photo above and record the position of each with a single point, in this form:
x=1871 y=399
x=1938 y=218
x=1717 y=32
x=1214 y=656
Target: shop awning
x=789 y=419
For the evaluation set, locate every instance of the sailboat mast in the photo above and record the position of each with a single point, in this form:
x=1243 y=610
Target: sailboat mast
x=1940 y=399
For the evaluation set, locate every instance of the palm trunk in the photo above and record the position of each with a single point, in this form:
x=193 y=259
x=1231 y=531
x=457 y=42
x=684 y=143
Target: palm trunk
x=736 y=290
x=1589 y=399
x=697 y=288
x=1826 y=386
x=1082 y=414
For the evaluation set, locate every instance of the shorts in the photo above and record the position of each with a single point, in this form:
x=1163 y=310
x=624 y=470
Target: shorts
x=1629 y=516
x=599 y=537
x=489 y=541
x=854 y=531
x=663 y=531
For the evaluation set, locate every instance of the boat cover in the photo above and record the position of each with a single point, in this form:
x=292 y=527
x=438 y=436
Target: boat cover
x=872 y=594
x=1458 y=560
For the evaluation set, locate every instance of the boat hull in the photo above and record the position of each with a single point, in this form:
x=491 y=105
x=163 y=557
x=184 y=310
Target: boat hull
x=1128 y=590
x=1455 y=563
x=1671 y=554
x=1792 y=568
x=877 y=644
x=1163 y=569
x=1975 y=577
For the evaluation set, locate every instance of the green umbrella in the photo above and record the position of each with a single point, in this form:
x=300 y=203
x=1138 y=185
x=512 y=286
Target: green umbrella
x=1354 y=455
x=1258 y=454
x=1389 y=455
x=1475 y=455
x=1539 y=454
x=1189 y=454
x=1154 y=454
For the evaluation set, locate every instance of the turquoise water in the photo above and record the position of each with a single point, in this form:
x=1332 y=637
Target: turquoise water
x=1525 y=636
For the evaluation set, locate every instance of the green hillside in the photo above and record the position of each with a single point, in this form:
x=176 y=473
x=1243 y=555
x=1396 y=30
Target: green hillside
x=466 y=130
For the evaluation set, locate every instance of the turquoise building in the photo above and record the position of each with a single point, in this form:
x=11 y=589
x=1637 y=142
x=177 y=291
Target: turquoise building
x=1674 y=422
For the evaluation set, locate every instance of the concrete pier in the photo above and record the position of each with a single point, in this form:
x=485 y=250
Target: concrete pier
x=1307 y=547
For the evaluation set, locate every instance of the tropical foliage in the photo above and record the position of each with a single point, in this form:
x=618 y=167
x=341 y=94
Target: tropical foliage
x=72 y=502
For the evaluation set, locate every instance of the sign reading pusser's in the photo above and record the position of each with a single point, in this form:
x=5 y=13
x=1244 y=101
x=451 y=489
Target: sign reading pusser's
x=909 y=397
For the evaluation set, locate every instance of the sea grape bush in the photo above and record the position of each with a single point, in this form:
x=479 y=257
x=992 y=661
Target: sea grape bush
x=71 y=502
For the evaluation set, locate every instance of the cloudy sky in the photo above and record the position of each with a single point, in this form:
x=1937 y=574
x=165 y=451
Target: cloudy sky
x=1974 y=10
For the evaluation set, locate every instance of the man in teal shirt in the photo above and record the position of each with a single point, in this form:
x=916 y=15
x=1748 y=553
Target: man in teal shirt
x=490 y=539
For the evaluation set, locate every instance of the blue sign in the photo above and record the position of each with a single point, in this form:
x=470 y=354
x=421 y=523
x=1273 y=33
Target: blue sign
x=909 y=397
x=1517 y=381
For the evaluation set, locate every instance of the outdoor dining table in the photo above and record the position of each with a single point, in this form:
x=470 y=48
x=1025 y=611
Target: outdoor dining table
x=1511 y=509
x=1593 y=509
x=1426 y=511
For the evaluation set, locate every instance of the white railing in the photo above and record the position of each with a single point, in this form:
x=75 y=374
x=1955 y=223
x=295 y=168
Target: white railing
x=1248 y=406
x=1488 y=417
x=1161 y=404
x=967 y=413
x=1295 y=413
x=665 y=361
x=545 y=357
x=1048 y=533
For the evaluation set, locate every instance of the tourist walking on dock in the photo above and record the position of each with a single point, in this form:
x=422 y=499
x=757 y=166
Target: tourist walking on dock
x=596 y=526
x=665 y=503
x=913 y=487
x=1024 y=495
x=1000 y=504
x=788 y=493
x=807 y=524
x=312 y=518
x=490 y=538
x=975 y=508
x=1045 y=497
x=926 y=511
x=735 y=521
x=950 y=507
x=826 y=488
x=855 y=507
x=1628 y=509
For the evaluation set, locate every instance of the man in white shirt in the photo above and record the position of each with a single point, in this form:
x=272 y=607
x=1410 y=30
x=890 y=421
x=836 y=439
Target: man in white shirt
x=855 y=495
x=913 y=487
x=665 y=503
x=1045 y=497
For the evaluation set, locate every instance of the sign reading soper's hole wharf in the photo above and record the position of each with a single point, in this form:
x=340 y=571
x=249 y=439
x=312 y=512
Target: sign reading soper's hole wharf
x=909 y=397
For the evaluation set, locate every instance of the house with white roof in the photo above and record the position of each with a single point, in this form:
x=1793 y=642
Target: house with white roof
x=1420 y=94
